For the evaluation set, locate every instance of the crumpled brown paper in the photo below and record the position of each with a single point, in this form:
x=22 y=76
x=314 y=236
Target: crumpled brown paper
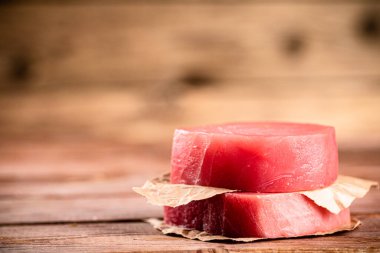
x=160 y=191
x=334 y=198
x=204 y=236
x=341 y=194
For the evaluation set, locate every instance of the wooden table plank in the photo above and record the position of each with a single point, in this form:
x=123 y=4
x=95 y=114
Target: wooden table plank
x=122 y=183
x=75 y=198
x=26 y=211
x=109 y=199
x=76 y=161
x=138 y=236
x=131 y=116
x=72 y=182
x=218 y=41
x=128 y=207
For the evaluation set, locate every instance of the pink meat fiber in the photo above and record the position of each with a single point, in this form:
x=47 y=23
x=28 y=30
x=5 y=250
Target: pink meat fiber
x=264 y=157
x=257 y=215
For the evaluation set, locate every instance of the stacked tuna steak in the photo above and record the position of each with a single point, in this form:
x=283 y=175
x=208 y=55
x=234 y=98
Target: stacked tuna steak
x=269 y=163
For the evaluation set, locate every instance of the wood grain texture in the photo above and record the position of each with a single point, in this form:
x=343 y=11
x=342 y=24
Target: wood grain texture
x=133 y=71
x=75 y=196
x=74 y=182
x=91 y=181
x=96 y=208
x=141 y=237
x=47 y=45
x=131 y=117
x=90 y=92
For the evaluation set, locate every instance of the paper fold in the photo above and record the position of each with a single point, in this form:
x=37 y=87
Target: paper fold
x=341 y=194
x=160 y=192
x=334 y=198
x=204 y=236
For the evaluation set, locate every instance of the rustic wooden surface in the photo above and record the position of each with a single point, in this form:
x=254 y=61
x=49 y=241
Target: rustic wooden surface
x=76 y=196
x=121 y=43
x=125 y=116
x=90 y=92
x=133 y=70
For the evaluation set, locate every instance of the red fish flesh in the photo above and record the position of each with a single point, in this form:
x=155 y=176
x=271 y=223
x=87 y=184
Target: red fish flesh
x=256 y=157
x=271 y=215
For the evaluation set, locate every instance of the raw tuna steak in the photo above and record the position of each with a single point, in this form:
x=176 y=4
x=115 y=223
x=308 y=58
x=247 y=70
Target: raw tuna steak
x=257 y=215
x=203 y=215
x=256 y=157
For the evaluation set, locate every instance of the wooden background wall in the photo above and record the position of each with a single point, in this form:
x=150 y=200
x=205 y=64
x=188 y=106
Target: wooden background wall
x=131 y=71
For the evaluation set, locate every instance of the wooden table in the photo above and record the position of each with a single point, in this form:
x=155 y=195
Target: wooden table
x=75 y=196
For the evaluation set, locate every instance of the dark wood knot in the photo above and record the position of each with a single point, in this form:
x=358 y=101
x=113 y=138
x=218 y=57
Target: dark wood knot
x=197 y=79
x=20 y=70
x=369 y=25
x=294 y=44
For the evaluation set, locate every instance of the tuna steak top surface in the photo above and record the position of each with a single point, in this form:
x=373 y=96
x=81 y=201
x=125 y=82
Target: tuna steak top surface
x=256 y=157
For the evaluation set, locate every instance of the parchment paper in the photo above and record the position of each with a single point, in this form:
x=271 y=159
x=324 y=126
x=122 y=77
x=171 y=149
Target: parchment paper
x=334 y=198
x=203 y=236
x=341 y=194
x=162 y=193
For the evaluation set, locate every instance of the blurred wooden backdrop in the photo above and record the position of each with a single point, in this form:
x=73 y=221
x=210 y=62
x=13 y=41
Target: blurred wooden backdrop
x=131 y=71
